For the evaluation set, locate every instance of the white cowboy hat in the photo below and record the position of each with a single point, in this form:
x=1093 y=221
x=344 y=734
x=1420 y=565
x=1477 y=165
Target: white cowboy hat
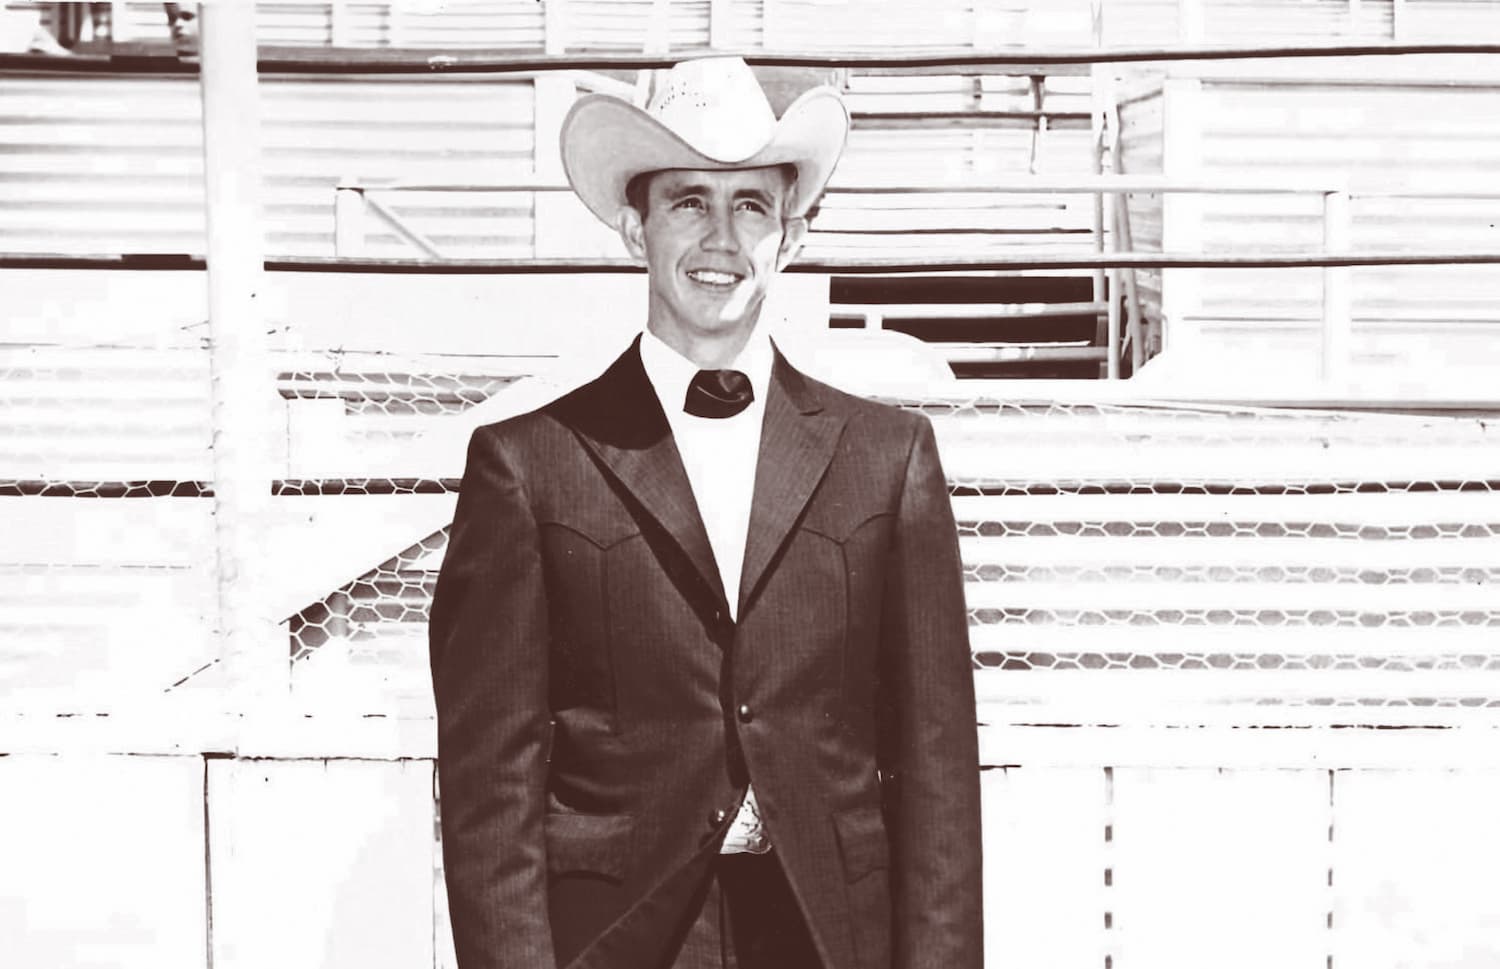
x=707 y=113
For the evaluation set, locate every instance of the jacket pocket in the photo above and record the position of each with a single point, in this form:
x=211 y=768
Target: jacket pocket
x=863 y=841
x=589 y=843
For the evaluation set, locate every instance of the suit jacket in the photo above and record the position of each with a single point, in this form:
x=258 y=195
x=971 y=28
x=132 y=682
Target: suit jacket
x=600 y=714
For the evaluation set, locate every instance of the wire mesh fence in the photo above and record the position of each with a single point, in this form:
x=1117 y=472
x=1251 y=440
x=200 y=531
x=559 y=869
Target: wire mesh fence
x=1133 y=561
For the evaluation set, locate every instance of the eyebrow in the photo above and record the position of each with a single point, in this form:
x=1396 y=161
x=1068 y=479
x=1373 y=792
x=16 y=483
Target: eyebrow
x=756 y=195
x=685 y=191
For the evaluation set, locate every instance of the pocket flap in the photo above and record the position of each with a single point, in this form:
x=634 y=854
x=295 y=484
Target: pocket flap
x=862 y=841
x=597 y=843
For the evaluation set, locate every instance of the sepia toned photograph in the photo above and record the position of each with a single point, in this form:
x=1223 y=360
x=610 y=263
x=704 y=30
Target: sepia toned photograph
x=750 y=484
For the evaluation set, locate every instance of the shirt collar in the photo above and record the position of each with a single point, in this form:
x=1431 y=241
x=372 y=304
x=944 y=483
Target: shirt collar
x=670 y=372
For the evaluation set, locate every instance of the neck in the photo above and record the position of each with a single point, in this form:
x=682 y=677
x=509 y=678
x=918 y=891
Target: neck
x=710 y=351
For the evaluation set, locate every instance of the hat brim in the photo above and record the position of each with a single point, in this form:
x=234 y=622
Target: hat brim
x=607 y=141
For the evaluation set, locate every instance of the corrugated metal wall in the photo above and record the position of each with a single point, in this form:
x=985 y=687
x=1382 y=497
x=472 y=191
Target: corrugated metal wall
x=114 y=164
x=825 y=24
x=1381 y=136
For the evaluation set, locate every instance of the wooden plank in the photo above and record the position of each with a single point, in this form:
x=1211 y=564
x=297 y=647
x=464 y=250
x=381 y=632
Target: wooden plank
x=1044 y=867
x=1220 y=868
x=103 y=862
x=1415 y=855
x=322 y=864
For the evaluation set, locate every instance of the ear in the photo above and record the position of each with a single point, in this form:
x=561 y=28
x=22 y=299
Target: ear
x=632 y=231
x=793 y=233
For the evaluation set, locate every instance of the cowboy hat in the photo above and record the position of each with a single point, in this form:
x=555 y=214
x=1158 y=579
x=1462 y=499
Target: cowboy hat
x=707 y=113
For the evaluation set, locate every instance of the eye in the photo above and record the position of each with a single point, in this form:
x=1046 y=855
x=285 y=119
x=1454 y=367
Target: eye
x=688 y=202
x=751 y=205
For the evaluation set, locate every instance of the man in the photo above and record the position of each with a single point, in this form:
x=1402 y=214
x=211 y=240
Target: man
x=699 y=643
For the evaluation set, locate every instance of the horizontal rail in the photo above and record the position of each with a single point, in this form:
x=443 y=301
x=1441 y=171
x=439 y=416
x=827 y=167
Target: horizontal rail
x=1019 y=185
x=277 y=59
x=962 y=311
x=1018 y=352
x=1250 y=259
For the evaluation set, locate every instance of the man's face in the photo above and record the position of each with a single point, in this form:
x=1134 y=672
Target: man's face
x=711 y=240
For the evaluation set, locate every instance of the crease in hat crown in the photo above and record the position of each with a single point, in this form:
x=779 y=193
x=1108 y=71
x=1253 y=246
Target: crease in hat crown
x=716 y=105
x=706 y=113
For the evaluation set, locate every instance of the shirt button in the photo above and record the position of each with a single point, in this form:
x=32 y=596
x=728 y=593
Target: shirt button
x=745 y=713
x=718 y=817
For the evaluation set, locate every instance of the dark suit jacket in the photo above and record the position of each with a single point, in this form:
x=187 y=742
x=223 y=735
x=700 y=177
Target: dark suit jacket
x=600 y=713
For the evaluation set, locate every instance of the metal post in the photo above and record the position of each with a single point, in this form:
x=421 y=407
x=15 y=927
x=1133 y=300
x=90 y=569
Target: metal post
x=555 y=26
x=1112 y=342
x=1338 y=325
x=1101 y=133
x=243 y=392
x=348 y=221
x=720 y=34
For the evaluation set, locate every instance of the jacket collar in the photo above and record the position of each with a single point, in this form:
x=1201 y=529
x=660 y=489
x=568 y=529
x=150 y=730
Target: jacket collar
x=620 y=419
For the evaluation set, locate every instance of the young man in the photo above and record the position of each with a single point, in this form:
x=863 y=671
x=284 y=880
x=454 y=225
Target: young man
x=699 y=643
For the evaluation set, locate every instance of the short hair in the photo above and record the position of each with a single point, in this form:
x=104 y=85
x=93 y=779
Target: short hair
x=638 y=189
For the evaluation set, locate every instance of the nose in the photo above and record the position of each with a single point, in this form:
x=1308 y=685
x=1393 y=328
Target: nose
x=719 y=234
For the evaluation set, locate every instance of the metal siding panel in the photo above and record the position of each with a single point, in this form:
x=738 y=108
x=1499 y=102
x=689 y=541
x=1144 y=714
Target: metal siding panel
x=1380 y=135
x=355 y=839
x=120 y=170
x=103 y=862
x=626 y=25
x=1282 y=21
x=1045 y=855
x=1425 y=21
x=1227 y=868
x=814 y=25
x=1141 y=23
x=1415 y=859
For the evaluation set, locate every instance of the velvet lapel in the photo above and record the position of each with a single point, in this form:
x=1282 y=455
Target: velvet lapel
x=620 y=419
x=796 y=445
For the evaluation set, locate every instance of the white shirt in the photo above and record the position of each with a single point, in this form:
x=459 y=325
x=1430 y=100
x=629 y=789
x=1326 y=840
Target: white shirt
x=719 y=455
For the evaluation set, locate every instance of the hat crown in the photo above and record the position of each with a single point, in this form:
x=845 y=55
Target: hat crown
x=716 y=105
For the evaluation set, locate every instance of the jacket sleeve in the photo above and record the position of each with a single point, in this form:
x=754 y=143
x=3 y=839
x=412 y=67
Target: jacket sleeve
x=932 y=737
x=488 y=641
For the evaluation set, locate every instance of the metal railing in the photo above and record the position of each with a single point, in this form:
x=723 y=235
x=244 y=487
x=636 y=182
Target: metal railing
x=357 y=203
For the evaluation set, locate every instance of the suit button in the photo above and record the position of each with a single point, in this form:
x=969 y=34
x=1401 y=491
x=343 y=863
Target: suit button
x=745 y=713
x=718 y=817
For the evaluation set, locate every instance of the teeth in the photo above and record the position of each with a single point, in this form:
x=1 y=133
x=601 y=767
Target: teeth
x=715 y=278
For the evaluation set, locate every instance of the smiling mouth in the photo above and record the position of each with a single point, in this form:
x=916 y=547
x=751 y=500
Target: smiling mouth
x=710 y=277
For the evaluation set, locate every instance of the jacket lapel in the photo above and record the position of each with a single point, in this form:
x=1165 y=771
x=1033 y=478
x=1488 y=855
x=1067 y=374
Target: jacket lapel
x=796 y=444
x=619 y=418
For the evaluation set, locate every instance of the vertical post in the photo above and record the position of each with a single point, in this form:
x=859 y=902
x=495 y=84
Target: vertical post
x=1125 y=239
x=720 y=34
x=348 y=221
x=1096 y=211
x=395 y=25
x=1190 y=26
x=558 y=223
x=1338 y=324
x=340 y=30
x=1112 y=342
x=555 y=26
x=242 y=390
